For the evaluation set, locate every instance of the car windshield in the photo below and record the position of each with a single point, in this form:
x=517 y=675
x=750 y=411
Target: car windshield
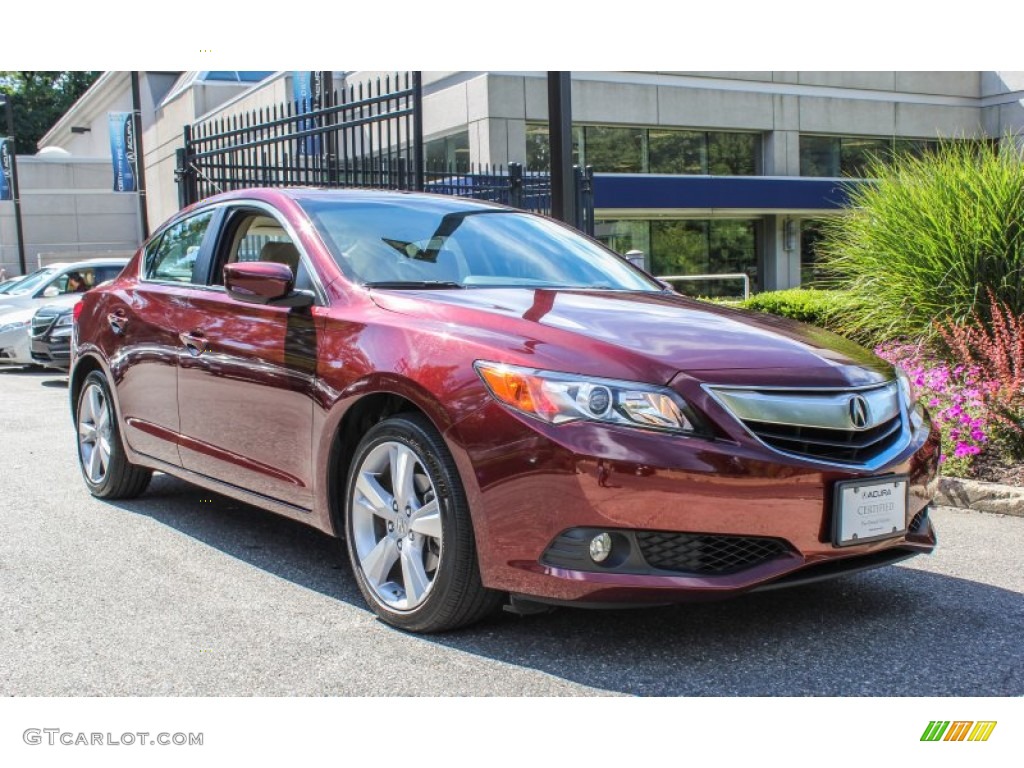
x=29 y=283
x=406 y=244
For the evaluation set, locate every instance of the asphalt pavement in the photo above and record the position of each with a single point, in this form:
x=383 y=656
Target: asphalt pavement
x=183 y=592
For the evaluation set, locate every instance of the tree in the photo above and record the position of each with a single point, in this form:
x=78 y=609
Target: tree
x=39 y=99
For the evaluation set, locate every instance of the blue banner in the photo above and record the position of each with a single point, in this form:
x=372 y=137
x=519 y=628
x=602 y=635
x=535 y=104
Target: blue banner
x=6 y=169
x=308 y=95
x=122 y=151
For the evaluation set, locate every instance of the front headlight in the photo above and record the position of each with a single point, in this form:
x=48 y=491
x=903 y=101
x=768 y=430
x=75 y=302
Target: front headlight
x=559 y=398
x=64 y=320
x=907 y=388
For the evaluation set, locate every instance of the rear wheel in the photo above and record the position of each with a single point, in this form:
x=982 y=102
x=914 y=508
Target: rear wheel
x=407 y=524
x=101 y=454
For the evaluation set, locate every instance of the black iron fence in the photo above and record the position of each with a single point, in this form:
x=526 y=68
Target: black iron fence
x=365 y=135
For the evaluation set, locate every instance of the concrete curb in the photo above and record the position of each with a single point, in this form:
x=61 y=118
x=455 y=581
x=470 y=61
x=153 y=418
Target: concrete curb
x=981 y=496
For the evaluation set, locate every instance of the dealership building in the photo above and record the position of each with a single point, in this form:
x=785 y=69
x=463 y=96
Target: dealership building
x=704 y=172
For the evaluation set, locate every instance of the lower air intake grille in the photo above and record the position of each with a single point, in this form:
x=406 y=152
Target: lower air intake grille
x=708 y=554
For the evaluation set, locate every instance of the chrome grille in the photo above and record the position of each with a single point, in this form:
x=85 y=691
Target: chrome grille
x=847 y=446
x=843 y=426
x=42 y=323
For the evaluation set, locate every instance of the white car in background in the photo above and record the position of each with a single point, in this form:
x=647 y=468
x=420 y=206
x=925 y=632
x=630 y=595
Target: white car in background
x=46 y=284
x=16 y=325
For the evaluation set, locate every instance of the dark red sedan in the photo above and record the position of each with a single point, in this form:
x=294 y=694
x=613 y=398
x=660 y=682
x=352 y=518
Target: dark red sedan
x=487 y=406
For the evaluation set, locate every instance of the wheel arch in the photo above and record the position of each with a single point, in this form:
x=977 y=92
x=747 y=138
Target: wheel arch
x=86 y=364
x=369 y=402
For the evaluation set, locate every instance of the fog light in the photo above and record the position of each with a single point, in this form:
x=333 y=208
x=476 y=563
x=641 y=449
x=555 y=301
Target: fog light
x=600 y=547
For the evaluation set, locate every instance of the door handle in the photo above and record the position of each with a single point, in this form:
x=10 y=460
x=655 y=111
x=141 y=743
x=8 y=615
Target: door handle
x=117 y=320
x=194 y=341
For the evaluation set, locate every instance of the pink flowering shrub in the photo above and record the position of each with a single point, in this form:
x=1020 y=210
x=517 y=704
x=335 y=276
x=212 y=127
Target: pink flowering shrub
x=996 y=349
x=955 y=396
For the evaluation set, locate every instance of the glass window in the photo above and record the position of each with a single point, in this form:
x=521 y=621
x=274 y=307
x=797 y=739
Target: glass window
x=734 y=154
x=856 y=154
x=538 y=148
x=442 y=245
x=651 y=150
x=819 y=156
x=851 y=155
x=625 y=236
x=614 y=150
x=683 y=152
x=915 y=147
x=32 y=282
x=679 y=247
x=810 y=237
x=448 y=154
x=174 y=256
x=706 y=247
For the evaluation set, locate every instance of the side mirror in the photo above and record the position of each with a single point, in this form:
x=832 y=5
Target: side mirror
x=264 y=282
x=51 y=291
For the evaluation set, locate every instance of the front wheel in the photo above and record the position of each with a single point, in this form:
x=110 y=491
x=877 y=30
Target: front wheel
x=101 y=454
x=409 y=534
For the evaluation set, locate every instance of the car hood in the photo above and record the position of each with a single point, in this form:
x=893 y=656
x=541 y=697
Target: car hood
x=662 y=332
x=19 y=305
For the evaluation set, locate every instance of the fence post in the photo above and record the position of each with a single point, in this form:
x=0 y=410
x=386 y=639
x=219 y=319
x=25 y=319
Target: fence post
x=417 y=130
x=585 y=207
x=184 y=174
x=560 y=140
x=515 y=185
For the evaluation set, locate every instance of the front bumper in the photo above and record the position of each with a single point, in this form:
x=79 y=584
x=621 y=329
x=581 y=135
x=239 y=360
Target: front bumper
x=52 y=353
x=14 y=347
x=529 y=483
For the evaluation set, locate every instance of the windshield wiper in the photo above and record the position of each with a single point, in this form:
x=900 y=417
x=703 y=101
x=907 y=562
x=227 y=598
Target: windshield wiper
x=413 y=284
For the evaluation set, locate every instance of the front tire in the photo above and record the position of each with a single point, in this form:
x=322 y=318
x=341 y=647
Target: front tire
x=101 y=455
x=408 y=530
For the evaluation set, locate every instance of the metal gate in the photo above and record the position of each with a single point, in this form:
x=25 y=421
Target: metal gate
x=367 y=135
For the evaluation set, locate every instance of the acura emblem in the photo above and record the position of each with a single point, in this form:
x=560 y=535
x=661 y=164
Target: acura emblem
x=859 y=413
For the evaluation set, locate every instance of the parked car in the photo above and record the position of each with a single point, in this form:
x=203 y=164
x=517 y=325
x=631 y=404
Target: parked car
x=55 y=280
x=8 y=284
x=487 y=405
x=16 y=327
x=14 y=343
x=50 y=335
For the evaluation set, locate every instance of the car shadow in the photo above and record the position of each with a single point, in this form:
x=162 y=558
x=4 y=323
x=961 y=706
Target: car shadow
x=896 y=631
x=26 y=371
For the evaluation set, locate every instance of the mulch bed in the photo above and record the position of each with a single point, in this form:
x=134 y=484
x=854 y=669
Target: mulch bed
x=992 y=469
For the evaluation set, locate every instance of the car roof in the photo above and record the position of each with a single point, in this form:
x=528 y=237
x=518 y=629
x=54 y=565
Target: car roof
x=441 y=203
x=102 y=262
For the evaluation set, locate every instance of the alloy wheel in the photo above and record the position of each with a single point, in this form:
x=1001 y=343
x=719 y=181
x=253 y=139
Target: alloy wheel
x=94 y=433
x=396 y=525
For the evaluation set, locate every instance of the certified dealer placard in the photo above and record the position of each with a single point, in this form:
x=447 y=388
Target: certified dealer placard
x=869 y=510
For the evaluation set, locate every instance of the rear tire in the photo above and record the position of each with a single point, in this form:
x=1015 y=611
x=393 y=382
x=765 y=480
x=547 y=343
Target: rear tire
x=408 y=530
x=101 y=455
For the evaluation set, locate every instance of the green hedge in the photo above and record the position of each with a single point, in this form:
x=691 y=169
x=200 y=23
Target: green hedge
x=827 y=309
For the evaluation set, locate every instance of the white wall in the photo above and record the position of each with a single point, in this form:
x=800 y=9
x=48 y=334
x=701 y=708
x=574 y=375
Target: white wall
x=68 y=210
